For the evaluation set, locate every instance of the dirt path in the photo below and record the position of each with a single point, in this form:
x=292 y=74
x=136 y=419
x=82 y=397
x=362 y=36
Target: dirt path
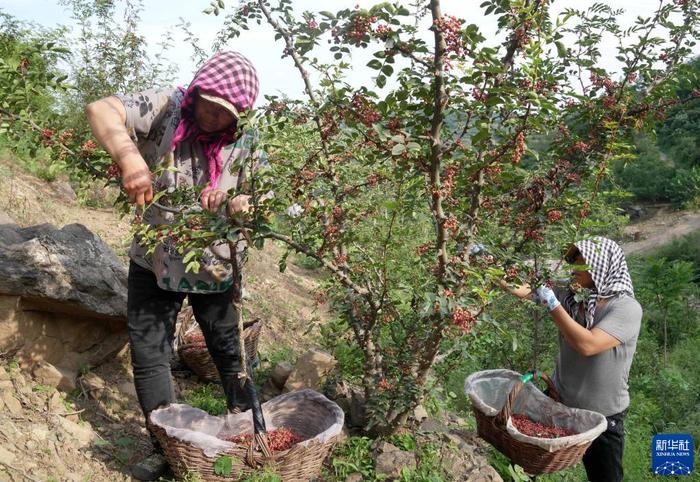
x=663 y=227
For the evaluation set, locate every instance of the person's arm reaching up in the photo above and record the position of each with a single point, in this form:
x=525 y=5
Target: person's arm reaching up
x=107 y=119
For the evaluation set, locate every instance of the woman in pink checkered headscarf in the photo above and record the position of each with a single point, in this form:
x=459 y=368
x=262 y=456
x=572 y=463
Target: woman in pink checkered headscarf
x=225 y=86
x=194 y=133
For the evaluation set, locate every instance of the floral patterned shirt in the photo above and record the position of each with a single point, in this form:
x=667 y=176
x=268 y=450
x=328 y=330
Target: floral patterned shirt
x=152 y=116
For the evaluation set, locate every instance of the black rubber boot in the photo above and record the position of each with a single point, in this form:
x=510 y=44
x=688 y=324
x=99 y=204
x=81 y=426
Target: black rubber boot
x=152 y=467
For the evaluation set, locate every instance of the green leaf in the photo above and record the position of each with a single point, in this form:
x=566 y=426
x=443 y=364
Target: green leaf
x=192 y=267
x=374 y=64
x=398 y=149
x=124 y=441
x=223 y=466
x=413 y=146
x=283 y=262
x=381 y=81
x=561 y=49
x=188 y=256
x=387 y=70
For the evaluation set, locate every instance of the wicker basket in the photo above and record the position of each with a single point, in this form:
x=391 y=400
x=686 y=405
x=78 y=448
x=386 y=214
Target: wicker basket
x=191 y=439
x=535 y=460
x=197 y=357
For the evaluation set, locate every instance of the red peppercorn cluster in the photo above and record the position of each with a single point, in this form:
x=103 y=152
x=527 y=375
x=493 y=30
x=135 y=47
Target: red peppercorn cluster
x=554 y=215
x=606 y=83
x=113 y=171
x=423 y=248
x=533 y=235
x=519 y=148
x=328 y=125
x=383 y=31
x=364 y=110
x=512 y=272
x=451 y=225
x=88 y=145
x=384 y=385
x=463 y=319
x=66 y=136
x=451 y=28
x=373 y=179
x=359 y=27
x=308 y=174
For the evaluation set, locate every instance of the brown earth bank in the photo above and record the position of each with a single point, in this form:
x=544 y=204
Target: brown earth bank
x=94 y=433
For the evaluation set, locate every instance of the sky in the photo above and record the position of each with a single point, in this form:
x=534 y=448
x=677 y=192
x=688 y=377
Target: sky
x=277 y=75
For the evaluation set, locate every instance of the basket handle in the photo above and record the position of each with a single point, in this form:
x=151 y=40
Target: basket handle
x=507 y=410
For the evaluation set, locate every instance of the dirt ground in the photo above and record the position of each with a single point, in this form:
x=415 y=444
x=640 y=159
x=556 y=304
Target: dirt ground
x=661 y=227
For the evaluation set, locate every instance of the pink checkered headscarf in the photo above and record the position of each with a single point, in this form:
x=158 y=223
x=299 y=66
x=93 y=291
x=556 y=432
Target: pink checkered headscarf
x=230 y=76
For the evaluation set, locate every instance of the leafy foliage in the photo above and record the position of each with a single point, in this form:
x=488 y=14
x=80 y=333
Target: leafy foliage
x=208 y=397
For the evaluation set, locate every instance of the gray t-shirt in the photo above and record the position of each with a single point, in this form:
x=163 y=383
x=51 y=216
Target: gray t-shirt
x=599 y=382
x=152 y=116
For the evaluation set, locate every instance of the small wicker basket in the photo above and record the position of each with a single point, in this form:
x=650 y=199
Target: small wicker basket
x=535 y=460
x=191 y=439
x=196 y=356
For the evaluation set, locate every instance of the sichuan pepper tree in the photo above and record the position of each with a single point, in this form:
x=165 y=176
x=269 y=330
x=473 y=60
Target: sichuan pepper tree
x=458 y=161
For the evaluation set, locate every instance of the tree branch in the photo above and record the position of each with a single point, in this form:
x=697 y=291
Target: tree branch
x=332 y=267
x=436 y=146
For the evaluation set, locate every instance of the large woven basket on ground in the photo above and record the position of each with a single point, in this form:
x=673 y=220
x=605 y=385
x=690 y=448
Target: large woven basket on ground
x=497 y=394
x=192 y=439
x=196 y=356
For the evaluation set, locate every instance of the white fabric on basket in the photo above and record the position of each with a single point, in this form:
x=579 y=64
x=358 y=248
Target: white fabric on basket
x=488 y=390
x=202 y=430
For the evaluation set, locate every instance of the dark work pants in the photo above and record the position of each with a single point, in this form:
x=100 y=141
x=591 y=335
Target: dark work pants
x=603 y=459
x=152 y=313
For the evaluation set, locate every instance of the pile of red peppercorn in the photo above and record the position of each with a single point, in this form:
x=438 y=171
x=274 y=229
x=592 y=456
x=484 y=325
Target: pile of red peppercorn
x=537 y=429
x=278 y=440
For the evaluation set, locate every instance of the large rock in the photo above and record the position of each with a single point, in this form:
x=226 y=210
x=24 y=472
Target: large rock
x=62 y=297
x=310 y=370
x=47 y=374
x=281 y=373
x=67 y=270
x=390 y=460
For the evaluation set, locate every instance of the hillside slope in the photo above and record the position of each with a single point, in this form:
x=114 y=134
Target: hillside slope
x=95 y=432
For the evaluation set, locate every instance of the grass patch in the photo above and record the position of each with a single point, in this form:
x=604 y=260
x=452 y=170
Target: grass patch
x=268 y=362
x=209 y=397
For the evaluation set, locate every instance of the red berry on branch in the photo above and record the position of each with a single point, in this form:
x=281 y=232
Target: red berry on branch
x=554 y=215
x=463 y=319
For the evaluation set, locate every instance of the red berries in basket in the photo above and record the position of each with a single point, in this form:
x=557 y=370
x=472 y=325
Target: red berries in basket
x=279 y=440
x=537 y=429
x=196 y=337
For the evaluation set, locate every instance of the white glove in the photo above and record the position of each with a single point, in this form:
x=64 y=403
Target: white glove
x=546 y=297
x=294 y=211
x=476 y=249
